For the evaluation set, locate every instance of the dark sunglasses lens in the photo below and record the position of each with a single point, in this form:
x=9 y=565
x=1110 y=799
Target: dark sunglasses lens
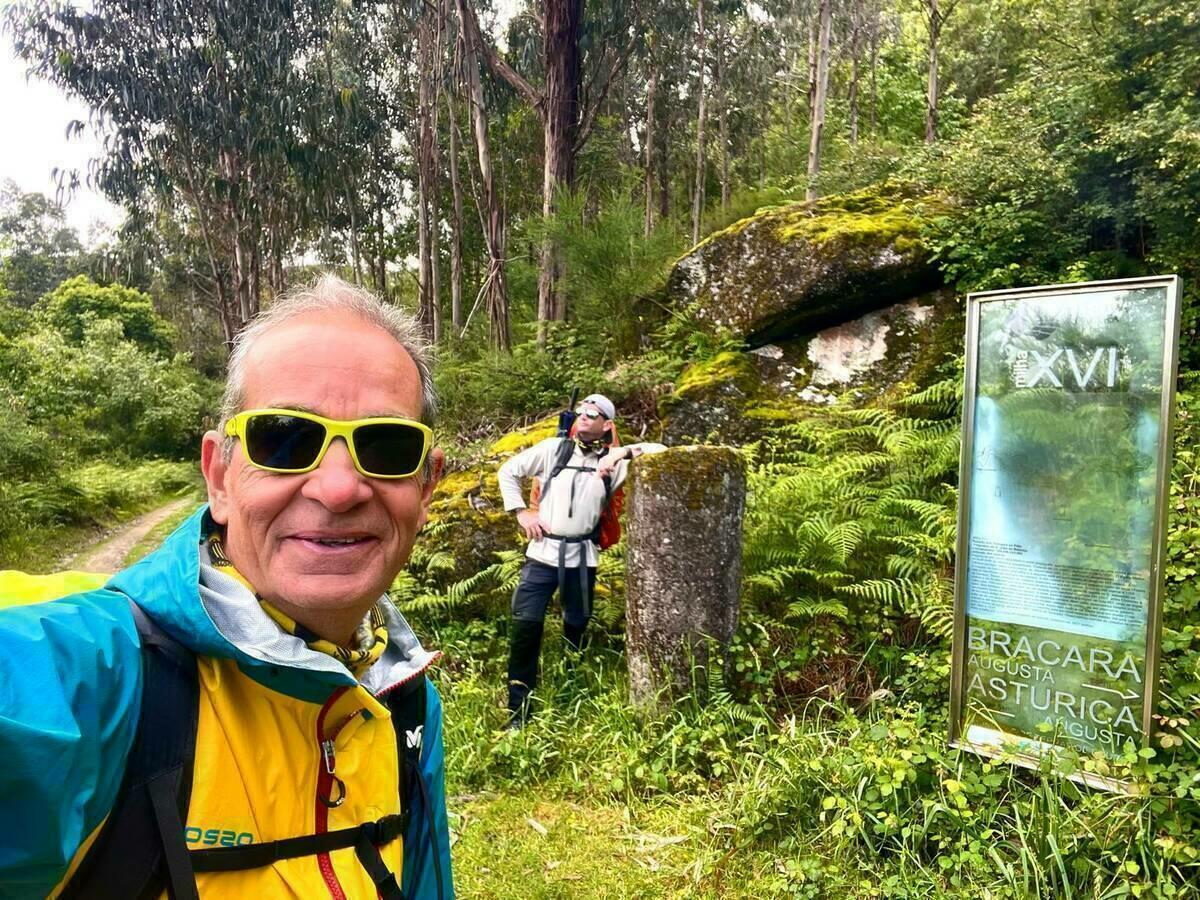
x=283 y=442
x=389 y=448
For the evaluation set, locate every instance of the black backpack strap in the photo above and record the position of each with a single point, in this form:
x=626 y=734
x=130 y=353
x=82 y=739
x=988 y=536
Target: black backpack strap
x=562 y=456
x=408 y=706
x=255 y=856
x=141 y=847
x=566 y=449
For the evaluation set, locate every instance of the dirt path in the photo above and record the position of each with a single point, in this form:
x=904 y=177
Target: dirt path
x=109 y=554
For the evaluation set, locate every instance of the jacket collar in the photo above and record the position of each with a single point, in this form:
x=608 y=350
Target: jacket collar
x=214 y=615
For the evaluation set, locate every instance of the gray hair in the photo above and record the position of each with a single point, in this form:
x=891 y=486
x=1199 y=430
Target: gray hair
x=328 y=293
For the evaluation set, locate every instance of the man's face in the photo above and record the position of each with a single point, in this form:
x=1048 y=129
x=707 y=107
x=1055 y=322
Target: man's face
x=278 y=527
x=588 y=428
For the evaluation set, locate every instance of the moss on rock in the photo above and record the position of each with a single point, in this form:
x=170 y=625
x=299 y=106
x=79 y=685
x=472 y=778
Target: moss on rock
x=709 y=399
x=700 y=471
x=794 y=269
x=736 y=398
x=726 y=369
x=466 y=513
x=516 y=441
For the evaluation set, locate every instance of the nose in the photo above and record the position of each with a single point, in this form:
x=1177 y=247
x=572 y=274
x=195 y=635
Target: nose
x=335 y=483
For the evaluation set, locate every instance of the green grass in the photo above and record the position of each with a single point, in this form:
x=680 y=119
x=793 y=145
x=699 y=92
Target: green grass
x=528 y=845
x=47 y=552
x=726 y=798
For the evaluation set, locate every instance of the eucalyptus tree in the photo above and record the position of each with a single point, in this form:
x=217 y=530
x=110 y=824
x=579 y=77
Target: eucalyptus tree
x=580 y=58
x=494 y=289
x=819 y=95
x=37 y=247
x=657 y=70
x=936 y=16
x=197 y=102
x=701 y=116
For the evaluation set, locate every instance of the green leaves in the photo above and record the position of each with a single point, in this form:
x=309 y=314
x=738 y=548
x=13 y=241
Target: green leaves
x=850 y=510
x=79 y=301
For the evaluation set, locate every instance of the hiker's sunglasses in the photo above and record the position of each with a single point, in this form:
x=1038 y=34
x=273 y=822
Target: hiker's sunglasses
x=591 y=414
x=292 y=442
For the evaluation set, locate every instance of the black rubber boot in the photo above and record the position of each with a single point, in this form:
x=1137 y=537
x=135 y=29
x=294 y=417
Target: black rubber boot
x=524 y=649
x=573 y=635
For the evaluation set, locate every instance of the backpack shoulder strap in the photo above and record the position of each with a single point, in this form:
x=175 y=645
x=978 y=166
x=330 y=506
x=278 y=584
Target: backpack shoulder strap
x=141 y=847
x=562 y=456
x=408 y=706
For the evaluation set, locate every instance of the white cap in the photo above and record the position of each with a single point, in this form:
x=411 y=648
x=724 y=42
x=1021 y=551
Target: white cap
x=601 y=403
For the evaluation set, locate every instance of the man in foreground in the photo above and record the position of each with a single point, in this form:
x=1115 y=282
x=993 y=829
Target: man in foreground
x=311 y=764
x=578 y=477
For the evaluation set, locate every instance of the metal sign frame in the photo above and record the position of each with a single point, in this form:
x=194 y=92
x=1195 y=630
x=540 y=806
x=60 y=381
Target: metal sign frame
x=1171 y=283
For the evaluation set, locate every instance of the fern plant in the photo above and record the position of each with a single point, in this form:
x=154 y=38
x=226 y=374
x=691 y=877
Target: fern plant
x=852 y=513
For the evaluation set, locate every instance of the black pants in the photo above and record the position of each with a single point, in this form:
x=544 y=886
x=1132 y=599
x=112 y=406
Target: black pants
x=530 y=602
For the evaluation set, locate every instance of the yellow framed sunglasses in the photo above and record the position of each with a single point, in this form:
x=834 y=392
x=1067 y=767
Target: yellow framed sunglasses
x=292 y=442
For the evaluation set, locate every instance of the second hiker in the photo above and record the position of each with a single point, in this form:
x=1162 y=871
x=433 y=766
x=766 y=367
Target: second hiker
x=570 y=517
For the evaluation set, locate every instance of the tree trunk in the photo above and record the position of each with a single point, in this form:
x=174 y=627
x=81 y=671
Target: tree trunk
x=874 y=69
x=817 y=126
x=855 y=31
x=811 y=95
x=494 y=291
x=427 y=301
x=698 y=190
x=722 y=95
x=664 y=173
x=651 y=86
x=456 y=222
x=379 y=261
x=356 y=250
x=560 y=56
x=682 y=595
x=224 y=301
x=931 y=95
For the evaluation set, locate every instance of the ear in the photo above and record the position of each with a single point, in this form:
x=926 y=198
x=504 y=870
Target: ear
x=216 y=470
x=437 y=463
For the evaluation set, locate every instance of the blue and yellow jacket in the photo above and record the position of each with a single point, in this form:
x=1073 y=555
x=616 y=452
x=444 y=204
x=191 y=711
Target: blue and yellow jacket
x=70 y=689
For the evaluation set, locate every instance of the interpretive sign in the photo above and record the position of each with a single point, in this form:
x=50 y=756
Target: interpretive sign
x=1065 y=464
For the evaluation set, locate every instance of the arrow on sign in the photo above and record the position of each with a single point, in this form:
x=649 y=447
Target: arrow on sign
x=1124 y=695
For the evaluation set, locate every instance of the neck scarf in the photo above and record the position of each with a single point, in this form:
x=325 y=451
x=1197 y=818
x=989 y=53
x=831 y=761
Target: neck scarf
x=597 y=446
x=370 y=638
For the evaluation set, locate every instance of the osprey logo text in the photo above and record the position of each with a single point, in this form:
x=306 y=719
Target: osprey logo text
x=216 y=837
x=413 y=738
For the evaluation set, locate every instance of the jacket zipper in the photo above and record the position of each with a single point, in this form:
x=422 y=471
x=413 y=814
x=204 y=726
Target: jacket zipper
x=434 y=657
x=325 y=781
x=326 y=777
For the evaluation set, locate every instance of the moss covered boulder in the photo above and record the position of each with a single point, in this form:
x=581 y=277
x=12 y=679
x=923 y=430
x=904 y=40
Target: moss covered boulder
x=466 y=515
x=737 y=397
x=795 y=269
x=710 y=400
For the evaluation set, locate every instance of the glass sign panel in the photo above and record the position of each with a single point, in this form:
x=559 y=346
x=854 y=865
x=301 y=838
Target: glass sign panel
x=1065 y=459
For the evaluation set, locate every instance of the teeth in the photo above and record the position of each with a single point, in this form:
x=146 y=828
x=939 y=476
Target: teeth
x=337 y=542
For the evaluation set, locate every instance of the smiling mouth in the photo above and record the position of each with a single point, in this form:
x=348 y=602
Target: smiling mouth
x=331 y=542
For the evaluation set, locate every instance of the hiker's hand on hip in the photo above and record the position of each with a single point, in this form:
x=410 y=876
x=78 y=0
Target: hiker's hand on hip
x=530 y=524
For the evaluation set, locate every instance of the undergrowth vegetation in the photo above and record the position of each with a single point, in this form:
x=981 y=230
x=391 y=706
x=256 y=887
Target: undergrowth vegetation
x=817 y=761
x=97 y=415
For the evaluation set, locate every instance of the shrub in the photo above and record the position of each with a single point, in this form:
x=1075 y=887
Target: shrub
x=78 y=301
